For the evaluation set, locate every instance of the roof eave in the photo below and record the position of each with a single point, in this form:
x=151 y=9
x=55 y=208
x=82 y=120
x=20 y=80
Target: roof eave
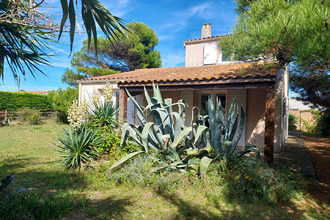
x=199 y=82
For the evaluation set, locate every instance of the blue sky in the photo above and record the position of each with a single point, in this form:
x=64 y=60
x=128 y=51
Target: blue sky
x=173 y=21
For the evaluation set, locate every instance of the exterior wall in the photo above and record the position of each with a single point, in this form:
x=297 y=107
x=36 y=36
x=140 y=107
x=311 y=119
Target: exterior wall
x=303 y=115
x=255 y=124
x=195 y=53
x=86 y=90
x=188 y=96
x=281 y=111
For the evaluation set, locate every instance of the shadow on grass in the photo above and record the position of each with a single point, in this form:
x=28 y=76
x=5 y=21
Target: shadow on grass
x=42 y=179
x=107 y=208
x=186 y=210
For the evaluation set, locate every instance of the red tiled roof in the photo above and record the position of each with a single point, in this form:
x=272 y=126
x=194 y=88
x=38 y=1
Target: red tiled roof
x=205 y=38
x=191 y=74
x=35 y=92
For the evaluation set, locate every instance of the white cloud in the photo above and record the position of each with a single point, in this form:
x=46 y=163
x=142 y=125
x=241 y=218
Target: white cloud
x=181 y=19
x=118 y=8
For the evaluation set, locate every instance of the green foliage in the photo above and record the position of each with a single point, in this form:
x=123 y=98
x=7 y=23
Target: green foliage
x=312 y=87
x=323 y=124
x=25 y=113
x=24 y=41
x=23 y=45
x=292 y=121
x=93 y=14
x=13 y=101
x=166 y=134
x=224 y=135
x=34 y=206
x=6 y=181
x=105 y=114
x=295 y=32
x=181 y=147
x=123 y=54
x=139 y=172
x=62 y=118
x=258 y=182
x=61 y=99
x=35 y=118
x=76 y=146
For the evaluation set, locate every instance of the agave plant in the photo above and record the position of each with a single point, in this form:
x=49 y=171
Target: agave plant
x=166 y=133
x=224 y=135
x=76 y=146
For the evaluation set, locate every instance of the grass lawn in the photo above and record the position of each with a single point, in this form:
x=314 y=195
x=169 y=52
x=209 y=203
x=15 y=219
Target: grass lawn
x=30 y=153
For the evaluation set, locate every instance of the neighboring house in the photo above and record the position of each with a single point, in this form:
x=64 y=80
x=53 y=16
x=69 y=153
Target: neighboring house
x=262 y=90
x=303 y=113
x=35 y=92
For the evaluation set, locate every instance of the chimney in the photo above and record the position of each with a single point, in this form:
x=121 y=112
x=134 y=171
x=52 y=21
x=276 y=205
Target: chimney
x=206 y=30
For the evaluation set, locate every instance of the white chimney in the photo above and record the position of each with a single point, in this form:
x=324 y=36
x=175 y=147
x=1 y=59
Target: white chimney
x=206 y=30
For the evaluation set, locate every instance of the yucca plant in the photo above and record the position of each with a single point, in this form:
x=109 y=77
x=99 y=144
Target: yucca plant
x=105 y=114
x=76 y=146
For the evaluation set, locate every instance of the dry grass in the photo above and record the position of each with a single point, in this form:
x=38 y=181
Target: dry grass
x=30 y=153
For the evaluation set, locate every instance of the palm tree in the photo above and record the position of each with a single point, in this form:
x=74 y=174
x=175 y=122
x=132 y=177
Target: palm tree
x=25 y=32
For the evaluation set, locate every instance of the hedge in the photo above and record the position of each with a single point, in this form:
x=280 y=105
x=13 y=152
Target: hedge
x=13 y=101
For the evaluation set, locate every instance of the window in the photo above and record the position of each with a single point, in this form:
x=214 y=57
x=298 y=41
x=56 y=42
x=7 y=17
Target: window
x=222 y=99
x=204 y=103
x=210 y=53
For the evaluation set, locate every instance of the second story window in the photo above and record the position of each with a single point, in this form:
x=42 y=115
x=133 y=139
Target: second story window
x=210 y=53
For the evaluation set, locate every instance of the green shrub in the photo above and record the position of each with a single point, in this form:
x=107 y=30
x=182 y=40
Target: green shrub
x=13 y=101
x=35 y=118
x=25 y=113
x=292 y=122
x=62 y=99
x=139 y=172
x=61 y=118
x=323 y=124
x=257 y=182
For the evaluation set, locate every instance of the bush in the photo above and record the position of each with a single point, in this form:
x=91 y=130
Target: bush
x=61 y=118
x=323 y=124
x=25 y=113
x=139 y=172
x=12 y=101
x=62 y=99
x=35 y=118
x=292 y=122
x=257 y=181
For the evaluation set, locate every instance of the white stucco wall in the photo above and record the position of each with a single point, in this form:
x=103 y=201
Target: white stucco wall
x=86 y=90
x=195 y=52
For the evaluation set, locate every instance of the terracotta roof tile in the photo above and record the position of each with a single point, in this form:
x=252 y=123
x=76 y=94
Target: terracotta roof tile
x=190 y=74
x=35 y=92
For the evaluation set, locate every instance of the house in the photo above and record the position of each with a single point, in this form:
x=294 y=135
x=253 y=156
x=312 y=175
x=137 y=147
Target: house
x=261 y=89
x=35 y=92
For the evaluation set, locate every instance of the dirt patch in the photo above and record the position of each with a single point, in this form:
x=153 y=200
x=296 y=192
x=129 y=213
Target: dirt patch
x=319 y=150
